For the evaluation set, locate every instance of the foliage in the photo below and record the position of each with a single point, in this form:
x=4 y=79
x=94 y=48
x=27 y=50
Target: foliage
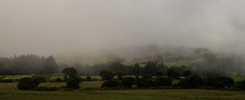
x=27 y=84
x=144 y=82
x=240 y=85
x=159 y=74
x=119 y=75
x=106 y=75
x=172 y=74
x=163 y=82
x=219 y=81
x=28 y=64
x=127 y=82
x=136 y=69
x=73 y=82
x=59 y=80
x=111 y=84
x=193 y=81
x=40 y=79
x=88 y=78
x=6 y=80
x=71 y=72
x=187 y=73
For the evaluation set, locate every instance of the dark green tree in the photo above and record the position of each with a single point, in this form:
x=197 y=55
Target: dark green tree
x=106 y=75
x=69 y=72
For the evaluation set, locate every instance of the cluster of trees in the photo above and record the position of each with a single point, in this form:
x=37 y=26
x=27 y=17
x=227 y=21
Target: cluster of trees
x=190 y=81
x=211 y=64
x=128 y=82
x=32 y=83
x=28 y=64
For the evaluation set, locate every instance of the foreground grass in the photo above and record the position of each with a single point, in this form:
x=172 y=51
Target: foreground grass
x=8 y=92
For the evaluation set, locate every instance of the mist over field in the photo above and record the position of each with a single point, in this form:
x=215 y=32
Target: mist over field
x=81 y=30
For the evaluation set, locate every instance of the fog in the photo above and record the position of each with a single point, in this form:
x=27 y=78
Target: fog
x=74 y=28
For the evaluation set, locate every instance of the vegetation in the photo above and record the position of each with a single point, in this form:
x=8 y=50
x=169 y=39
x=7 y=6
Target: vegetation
x=28 y=84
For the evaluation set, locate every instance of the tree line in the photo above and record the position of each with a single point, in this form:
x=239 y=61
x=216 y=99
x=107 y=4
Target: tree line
x=28 y=64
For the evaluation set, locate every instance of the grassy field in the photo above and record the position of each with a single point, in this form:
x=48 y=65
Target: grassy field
x=91 y=91
x=178 y=63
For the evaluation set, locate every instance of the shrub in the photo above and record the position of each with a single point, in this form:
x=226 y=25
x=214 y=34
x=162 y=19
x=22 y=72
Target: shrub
x=119 y=75
x=6 y=80
x=127 y=82
x=187 y=73
x=193 y=81
x=110 y=84
x=144 y=82
x=106 y=75
x=43 y=88
x=163 y=82
x=172 y=74
x=240 y=85
x=73 y=82
x=147 y=77
x=88 y=78
x=59 y=80
x=39 y=79
x=160 y=74
x=27 y=84
x=218 y=81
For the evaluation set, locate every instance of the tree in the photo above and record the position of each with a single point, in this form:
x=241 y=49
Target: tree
x=151 y=68
x=240 y=85
x=136 y=69
x=159 y=74
x=73 y=82
x=106 y=75
x=27 y=83
x=163 y=82
x=193 y=81
x=187 y=73
x=219 y=81
x=127 y=82
x=119 y=75
x=172 y=74
x=50 y=66
x=110 y=84
x=69 y=72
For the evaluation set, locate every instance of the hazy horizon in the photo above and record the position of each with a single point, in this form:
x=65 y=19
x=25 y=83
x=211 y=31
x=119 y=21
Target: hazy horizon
x=91 y=27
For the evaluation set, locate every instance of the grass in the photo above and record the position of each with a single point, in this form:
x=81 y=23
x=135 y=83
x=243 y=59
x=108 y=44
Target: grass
x=8 y=92
x=238 y=78
x=178 y=63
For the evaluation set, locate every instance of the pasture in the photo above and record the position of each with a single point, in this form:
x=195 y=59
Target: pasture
x=91 y=91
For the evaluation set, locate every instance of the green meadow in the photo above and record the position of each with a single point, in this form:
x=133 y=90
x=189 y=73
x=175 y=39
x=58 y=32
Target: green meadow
x=91 y=91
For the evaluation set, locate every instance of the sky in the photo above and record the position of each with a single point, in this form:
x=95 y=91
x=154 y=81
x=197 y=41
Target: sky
x=70 y=27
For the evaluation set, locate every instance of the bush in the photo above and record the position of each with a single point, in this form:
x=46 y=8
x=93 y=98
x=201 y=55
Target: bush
x=193 y=81
x=240 y=85
x=6 y=80
x=160 y=74
x=127 y=82
x=172 y=74
x=27 y=84
x=106 y=75
x=59 y=80
x=218 y=81
x=144 y=82
x=73 y=82
x=88 y=78
x=110 y=84
x=119 y=75
x=147 y=77
x=163 y=82
x=39 y=79
x=43 y=88
x=187 y=73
